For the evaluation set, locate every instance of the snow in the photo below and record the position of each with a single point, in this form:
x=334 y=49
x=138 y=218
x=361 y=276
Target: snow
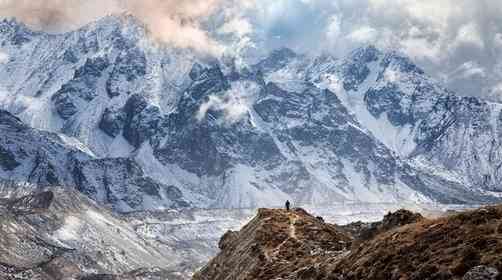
x=495 y=113
x=171 y=175
x=240 y=191
x=70 y=229
x=261 y=125
x=399 y=139
x=72 y=142
x=4 y=57
x=119 y=148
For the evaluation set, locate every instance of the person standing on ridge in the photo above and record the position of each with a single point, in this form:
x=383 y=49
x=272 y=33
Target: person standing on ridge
x=288 y=204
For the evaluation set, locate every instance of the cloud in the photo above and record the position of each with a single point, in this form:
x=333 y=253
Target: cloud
x=57 y=15
x=179 y=23
x=235 y=103
x=440 y=36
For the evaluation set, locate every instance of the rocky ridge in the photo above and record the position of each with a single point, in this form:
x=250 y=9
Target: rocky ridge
x=278 y=244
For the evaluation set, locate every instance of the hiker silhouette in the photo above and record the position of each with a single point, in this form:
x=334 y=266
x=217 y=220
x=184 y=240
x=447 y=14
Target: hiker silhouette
x=288 y=204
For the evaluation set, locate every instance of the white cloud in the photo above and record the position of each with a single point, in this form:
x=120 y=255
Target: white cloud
x=468 y=34
x=238 y=26
x=178 y=23
x=235 y=103
x=334 y=28
x=421 y=49
x=439 y=35
x=363 y=34
x=468 y=70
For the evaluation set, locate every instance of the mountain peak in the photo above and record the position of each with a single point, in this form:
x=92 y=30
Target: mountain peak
x=283 y=53
x=277 y=59
x=365 y=54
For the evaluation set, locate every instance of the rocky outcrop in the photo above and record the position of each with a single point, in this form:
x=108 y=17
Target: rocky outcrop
x=294 y=245
x=31 y=204
x=275 y=244
x=365 y=231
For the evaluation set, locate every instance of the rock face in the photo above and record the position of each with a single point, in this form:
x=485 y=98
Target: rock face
x=49 y=159
x=365 y=231
x=294 y=245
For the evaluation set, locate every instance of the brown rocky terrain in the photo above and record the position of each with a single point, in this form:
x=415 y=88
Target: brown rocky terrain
x=278 y=244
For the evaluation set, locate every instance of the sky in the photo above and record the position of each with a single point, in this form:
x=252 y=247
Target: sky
x=458 y=42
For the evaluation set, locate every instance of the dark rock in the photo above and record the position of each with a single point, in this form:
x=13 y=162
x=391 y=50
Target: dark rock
x=65 y=105
x=357 y=71
x=112 y=122
x=208 y=82
x=70 y=56
x=81 y=89
x=128 y=67
x=142 y=120
x=32 y=203
x=366 y=231
x=228 y=239
x=276 y=60
x=93 y=67
x=196 y=71
x=11 y=122
x=174 y=193
x=8 y=160
x=388 y=100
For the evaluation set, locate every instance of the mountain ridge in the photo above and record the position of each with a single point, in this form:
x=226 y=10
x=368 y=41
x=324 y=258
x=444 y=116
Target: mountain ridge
x=215 y=136
x=280 y=244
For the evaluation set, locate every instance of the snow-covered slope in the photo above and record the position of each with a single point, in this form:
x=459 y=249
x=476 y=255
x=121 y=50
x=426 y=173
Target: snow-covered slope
x=161 y=127
x=47 y=159
x=424 y=124
x=429 y=125
x=67 y=82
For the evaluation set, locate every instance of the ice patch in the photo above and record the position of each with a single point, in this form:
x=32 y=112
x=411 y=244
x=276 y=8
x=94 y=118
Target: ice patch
x=120 y=148
x=70 y=230
x=72 y=142
x=4 y=57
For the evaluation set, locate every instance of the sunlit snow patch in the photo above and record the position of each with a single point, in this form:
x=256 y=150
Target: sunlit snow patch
x=4 y=58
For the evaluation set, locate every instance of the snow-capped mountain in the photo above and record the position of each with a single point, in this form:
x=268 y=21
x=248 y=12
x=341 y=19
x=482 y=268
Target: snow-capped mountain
x=422 y=122
x=155 y=127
